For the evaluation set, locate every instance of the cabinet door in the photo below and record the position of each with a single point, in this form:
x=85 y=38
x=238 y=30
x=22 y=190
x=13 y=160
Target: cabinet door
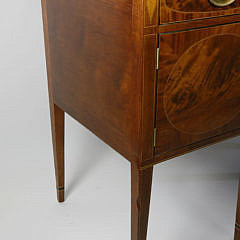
x=175 y=10
x=198 y=98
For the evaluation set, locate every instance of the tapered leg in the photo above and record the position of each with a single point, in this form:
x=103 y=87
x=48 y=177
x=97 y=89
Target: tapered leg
x=57 y=117
x=141 y=194
x=57 y=120
x=237 y=226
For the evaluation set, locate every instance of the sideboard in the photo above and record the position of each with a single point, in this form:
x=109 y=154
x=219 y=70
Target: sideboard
x=154 y=79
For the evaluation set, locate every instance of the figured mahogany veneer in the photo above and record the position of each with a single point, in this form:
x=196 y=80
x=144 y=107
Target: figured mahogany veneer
x=194 y=81
x=198 y=86
x=154 y=79
x=175 y=10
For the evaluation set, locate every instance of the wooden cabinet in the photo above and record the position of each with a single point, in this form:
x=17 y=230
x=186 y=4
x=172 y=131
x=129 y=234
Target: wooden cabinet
x=154 y=79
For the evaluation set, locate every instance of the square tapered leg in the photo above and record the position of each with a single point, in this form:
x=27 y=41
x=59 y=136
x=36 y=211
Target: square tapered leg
x=57 y=122
x=141 y=194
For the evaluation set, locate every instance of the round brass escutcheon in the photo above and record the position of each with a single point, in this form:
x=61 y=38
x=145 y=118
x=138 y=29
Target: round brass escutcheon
x=221 y=3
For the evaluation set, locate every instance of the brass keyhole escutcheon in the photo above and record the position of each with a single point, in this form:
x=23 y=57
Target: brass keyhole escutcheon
x=221 y=3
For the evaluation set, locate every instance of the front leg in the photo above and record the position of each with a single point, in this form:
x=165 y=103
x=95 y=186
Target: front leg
x=57 y=120
x=141 y=193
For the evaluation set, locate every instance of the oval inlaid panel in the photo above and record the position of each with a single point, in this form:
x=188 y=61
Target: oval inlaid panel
x=203 y=88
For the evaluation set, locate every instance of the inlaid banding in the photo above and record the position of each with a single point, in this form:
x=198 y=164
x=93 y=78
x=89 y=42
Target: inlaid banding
x=237 y=226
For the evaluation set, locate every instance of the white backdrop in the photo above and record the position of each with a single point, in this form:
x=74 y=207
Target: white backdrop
x=193 y=196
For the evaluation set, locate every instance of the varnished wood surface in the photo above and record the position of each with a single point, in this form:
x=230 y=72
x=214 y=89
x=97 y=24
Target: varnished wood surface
x=198 y=6
x=141 y=184
x=203 y=89
x=172 y=49
x=192 y=24
x=151 y=10
x=57 y=118
x=181 y=150
x=149 y=85
x=175 y=11
x=101 y=58
x=96 y=60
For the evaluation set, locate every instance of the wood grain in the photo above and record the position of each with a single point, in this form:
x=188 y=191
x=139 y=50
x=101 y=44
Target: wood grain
x=181 y=150
x=101 y=58
x=57 y=116
x=175 y=11
x=198 y=24
x=149 y=86
x=96 y=58
x=192 y=24
x=198 y=6
x=202 y=91
x=141 y=193
x=57 y=119
x=151 y=12
x=172 y=48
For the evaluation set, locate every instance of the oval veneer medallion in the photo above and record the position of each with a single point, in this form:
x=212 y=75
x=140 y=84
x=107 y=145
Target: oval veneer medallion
x=203 y=88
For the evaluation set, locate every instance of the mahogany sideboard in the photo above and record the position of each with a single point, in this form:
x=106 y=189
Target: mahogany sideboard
x=154 y=79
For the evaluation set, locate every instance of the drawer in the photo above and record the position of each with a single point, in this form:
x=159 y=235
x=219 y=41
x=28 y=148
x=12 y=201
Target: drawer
x=198 y=93
x=175 y=10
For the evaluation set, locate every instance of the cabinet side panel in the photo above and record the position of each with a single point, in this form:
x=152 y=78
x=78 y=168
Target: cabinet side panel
x=96 y=68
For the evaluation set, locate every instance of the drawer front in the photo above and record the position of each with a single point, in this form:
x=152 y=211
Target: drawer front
x=198 y=95
x=175 y=10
